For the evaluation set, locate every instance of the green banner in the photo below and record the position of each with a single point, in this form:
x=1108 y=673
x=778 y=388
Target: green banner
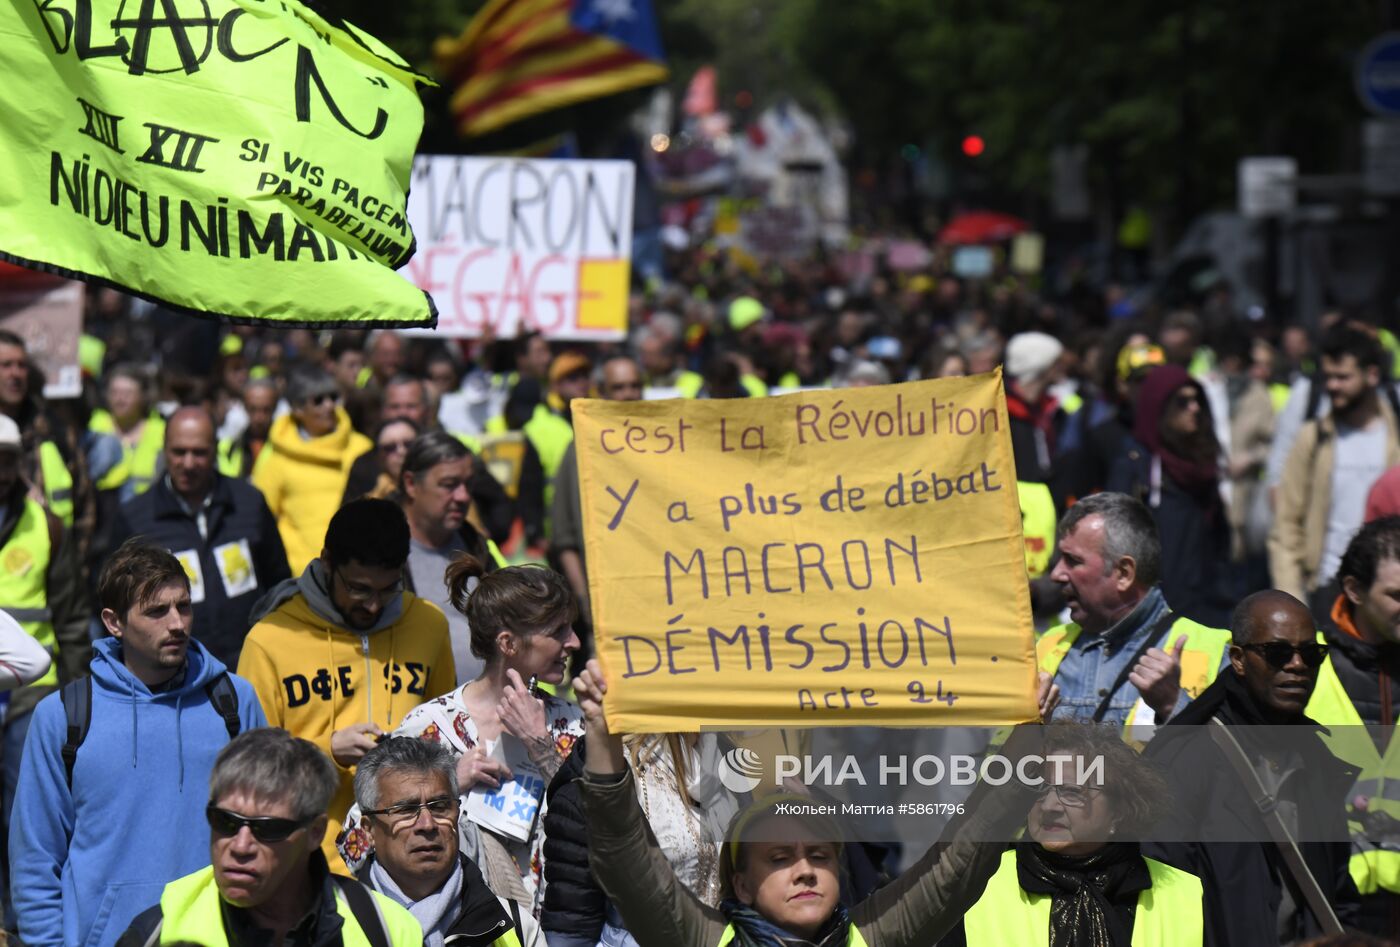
x=246 y=159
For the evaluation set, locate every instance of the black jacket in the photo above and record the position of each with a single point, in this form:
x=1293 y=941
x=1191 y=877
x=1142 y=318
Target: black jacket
x=1195 y=541
x=1367 y=672
x=574 y=905
x=1244 y=880
x=237 y=515
x=480 y=920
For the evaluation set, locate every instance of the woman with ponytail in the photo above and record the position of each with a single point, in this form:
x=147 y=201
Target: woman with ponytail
x=522 y=628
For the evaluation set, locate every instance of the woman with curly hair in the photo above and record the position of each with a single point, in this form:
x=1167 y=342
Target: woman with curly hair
x=522 y=628
x=1078 y=880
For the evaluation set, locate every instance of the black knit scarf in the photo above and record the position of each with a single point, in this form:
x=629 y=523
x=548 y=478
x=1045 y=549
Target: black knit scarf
x=752 y=929
x=1092 y=897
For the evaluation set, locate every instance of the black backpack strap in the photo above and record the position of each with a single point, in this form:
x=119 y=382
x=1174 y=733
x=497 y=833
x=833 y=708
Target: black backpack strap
x=365 y=911
x=1315 y=391
x=224 y=699
x=77 y=709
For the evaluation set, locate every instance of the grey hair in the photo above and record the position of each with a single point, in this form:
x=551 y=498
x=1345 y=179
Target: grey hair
x=1128 y=530
x=307 y=382
x=428 y=450
x=403 y=378
x=402 y=754
x=271 y=764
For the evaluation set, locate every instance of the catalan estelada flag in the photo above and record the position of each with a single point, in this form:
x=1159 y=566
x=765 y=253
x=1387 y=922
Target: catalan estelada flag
x=518 y=58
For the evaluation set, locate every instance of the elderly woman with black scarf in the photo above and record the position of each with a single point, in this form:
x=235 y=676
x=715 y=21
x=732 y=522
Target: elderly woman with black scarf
x=1078 y=881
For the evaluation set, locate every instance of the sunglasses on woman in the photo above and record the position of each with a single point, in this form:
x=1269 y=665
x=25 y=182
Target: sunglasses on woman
x=1279 y=653
x=264 y=828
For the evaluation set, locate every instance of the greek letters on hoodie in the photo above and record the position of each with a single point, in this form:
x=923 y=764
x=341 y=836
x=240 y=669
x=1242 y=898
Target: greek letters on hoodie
x=315 y=677
x=86 y=863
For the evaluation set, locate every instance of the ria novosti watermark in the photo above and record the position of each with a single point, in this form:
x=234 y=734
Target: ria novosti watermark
x=742 y=770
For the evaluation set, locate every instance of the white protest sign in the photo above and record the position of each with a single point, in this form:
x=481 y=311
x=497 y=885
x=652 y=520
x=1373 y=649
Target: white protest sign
x=515 y=243
x=509 y=810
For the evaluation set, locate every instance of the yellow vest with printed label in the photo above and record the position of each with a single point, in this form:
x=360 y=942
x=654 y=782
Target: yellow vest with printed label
x=1037 y=525
x=1200 y=661
x=1168 y=914
x=142 y=459
x=192 y=913
x=1372 y=868
x=24 y=581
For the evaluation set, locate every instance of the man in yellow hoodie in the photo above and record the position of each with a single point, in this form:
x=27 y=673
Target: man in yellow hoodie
x=339 y=655
x=302 y=469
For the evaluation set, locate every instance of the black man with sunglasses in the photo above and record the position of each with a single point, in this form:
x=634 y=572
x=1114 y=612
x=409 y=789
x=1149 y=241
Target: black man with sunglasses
x=267 y=881
x=1360 y=684
x=1217 y=830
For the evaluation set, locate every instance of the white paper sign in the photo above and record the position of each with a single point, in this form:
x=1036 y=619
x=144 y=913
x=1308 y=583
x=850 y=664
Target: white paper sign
x=189 y=558
x=235 y=562
x=511 y=809
x=514 y=242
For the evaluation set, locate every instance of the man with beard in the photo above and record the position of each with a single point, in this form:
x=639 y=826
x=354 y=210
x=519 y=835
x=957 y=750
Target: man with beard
x=105 y=817
x=1332 y=467
x=340 y=654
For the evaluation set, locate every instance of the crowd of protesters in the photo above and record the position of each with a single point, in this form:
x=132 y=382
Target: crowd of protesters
x=299 y=590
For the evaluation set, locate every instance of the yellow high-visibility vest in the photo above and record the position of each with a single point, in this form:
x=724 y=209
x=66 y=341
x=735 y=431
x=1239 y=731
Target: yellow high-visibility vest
x=58 y=481
x=1200 y=661
x=1373 y=869
x=1037 y=525
x=24 y=586
x=141 y=460
x=1168 y=914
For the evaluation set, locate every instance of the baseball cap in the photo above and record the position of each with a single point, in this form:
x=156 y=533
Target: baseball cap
x=568 y=363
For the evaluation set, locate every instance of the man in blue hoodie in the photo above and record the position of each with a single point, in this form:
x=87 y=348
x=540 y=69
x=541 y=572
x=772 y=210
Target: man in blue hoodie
x=103 y=823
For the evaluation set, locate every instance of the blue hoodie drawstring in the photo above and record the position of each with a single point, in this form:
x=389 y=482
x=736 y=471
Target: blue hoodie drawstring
x=180 y=739
x=131 y=688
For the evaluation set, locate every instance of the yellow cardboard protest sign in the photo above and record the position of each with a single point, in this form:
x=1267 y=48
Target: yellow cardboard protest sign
x=849 y=557
x=239 y=158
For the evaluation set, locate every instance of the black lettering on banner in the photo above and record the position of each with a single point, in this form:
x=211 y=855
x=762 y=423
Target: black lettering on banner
x=184 y=156
x=307 y=74
x=298 y=692
x=146 y=22
x=418 y=678
x=101 y=126
x=225 y=39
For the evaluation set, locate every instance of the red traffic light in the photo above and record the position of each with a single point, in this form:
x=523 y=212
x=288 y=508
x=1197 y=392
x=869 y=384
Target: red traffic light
x=973 y=145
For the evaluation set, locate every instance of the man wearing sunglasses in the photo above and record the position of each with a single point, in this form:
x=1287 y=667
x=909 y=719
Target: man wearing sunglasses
x=1360 y=684
x=105 y=818
x=1217 y=830
x=341 y=653
x=407 y=792
x=267 y=881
